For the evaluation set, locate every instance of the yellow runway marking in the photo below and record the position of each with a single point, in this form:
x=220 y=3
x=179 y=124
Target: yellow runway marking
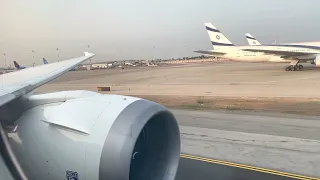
x=274 y=172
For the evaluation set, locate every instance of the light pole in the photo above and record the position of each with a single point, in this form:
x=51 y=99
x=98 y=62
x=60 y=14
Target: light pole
x=58 y=54
x=154 y=53
x=5 y=59
x=33 y=51
x=89 y=51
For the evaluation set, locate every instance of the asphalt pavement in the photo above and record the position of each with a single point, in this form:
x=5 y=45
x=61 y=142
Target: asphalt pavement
x=279 y=142
x=194 y=169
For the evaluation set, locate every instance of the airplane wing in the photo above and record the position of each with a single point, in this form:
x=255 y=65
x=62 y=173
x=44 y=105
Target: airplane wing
x=18 y=83
x=208 y=52
x=279 y=52
x=115 y=128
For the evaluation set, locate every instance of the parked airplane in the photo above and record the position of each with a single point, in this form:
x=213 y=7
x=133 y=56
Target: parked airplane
x=252 y=41
x=293 y=53
x=18 y=66
x=82 y=134
x=224 y=48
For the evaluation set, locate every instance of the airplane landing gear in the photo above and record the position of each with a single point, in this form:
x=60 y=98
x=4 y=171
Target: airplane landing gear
x=289 y=68
x=294 y=67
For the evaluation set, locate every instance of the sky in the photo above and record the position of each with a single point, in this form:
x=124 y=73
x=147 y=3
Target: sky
x=145 y=29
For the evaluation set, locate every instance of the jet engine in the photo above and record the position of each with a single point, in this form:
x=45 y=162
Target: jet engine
x=316 y=61
x=87 y=135
x=278 y=59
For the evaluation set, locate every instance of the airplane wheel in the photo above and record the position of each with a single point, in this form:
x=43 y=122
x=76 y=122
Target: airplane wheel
x=290 y=68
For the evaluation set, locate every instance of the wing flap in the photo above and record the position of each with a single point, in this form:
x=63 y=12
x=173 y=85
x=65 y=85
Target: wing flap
x=18 y=83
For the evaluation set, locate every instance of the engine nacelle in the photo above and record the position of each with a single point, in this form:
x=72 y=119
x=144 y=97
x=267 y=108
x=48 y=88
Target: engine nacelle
x=279 y=60
x=94 y=137
x=316 y=61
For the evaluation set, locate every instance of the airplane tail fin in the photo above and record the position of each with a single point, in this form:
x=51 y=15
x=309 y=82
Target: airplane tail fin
x=16 y=64
x=44 y=61
x=251 y=40
x=218 y=40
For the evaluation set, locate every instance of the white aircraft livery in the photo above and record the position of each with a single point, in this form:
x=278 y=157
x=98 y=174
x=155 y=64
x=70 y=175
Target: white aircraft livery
x=252 y=41
x=293 y=53
x=82 y=134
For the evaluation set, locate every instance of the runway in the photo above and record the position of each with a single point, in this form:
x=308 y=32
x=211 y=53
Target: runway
x=191 y=168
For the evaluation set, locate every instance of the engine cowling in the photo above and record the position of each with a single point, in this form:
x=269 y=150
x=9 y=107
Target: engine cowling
x=94 y=136
x=278 y=59
x=316 y=61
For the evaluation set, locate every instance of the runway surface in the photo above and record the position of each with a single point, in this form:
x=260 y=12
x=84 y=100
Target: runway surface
x=205 y=169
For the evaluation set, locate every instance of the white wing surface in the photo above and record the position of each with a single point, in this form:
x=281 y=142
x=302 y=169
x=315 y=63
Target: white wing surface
x=18 y=83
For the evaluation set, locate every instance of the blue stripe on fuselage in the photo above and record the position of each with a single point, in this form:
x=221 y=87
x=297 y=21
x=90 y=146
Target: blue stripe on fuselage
x=210 y=29
x=221 y=44
x=251 y=38
x=294 y=45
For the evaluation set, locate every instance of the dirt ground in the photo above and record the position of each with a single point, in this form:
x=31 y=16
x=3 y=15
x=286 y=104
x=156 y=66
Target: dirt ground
x=302 y=106
x=217 y=85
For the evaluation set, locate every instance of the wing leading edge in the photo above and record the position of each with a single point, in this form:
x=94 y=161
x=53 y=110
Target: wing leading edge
x=283 y=53
x=209 y=52
x=18 y=83
x=279 y=50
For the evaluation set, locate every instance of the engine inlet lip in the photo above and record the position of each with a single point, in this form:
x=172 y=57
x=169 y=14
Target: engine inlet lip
x=118 y=147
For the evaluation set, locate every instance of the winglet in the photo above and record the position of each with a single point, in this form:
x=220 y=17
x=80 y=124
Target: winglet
x=88 y=54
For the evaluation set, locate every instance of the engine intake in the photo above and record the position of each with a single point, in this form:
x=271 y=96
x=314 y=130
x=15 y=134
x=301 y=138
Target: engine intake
x=94 y=136
x=146 y=136
x=316 y=61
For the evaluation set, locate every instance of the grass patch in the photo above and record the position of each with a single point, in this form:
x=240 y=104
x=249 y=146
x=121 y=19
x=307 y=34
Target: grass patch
x=203 y=101
x=190 y=106
x=298 y=106
x=233 y=108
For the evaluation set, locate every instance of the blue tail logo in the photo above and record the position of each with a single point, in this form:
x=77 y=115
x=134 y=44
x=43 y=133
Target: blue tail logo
x=44 y=61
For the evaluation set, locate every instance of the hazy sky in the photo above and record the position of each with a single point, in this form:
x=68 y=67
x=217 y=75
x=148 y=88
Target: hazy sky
x=142 y=29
